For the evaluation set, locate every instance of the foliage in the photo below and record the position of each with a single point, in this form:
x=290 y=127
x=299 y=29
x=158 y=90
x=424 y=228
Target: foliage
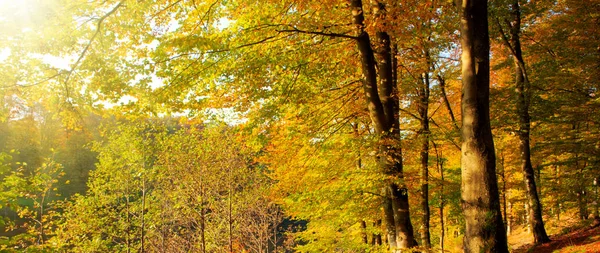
x=32 y=197
x=113 y=103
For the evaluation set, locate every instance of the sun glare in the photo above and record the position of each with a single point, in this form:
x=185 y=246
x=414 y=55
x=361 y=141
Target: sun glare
x=16 y=11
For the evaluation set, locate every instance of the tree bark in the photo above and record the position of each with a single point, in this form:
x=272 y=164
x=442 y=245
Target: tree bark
x=522 y=88
x=424 y=134
x=479 y=189
x=382 y=105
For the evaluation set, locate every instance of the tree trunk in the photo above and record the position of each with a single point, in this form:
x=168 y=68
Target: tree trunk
x=42 y=238
x=376 y=237
x=128 y=229
x=479 y=189
x=509 y=219
x=442 y=84
x=596 y=211
x=202 y=220
x=522 y=105
x=581 y=203
x=230 y=215
x=382 y=106
x=363 y=233
x=503 y=175
x=143 y=222
x=527 y=218
x=424 y=134
x=440 y=165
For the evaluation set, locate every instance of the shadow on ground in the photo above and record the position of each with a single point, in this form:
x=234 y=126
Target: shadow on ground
x=581 y=240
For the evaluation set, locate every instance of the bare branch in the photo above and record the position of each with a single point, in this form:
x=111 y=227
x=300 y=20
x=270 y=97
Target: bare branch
x=327 y=34
x=33 y=84
x=449 y=138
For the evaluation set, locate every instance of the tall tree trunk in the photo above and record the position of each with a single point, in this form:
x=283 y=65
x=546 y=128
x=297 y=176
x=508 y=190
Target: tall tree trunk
x=596 y=211
x=581 y=203
x=424 y=135
x=509 y=218
x=581 y=190
x=230 y=214
x=503 y=175
x=523 y=93
x=376 y=237
x=382 y=107
x=440 y=165
x=202 y=220
x=128 y=229
x=557 y=205
x=143 y=222
x=363 y=223
x=527 y=218
x=363 y=232
x=442 y=84
x=42 y=237
x=479 y=189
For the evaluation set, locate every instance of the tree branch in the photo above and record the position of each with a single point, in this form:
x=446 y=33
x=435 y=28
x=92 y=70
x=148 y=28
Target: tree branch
x=334 y=35
x=89 y=44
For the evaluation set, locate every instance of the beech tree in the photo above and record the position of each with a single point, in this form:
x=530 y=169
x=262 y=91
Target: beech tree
x=512 y=41
x=485 y=230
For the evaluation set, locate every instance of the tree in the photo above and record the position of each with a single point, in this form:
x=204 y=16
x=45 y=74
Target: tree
x=523 y=98
x=485 y=231
x=382 y=105
x=32 y=195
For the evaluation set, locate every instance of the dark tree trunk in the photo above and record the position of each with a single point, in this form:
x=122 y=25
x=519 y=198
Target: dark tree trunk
x=522 y=107
x=424 y=135
x=442 y=83
x=376 y=237
x=480 y=200
x=382 y=105
x=363 y=233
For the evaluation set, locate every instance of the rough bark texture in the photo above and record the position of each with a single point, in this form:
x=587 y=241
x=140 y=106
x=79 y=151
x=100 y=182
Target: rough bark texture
x=522 y=106
x=382 y=105
x=479 y=189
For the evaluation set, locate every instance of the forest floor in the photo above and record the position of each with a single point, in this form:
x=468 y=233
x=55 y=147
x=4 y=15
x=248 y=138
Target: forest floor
x=582 y=239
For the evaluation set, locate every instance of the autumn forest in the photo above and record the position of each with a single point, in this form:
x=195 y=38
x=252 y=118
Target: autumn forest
x=299 y=125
